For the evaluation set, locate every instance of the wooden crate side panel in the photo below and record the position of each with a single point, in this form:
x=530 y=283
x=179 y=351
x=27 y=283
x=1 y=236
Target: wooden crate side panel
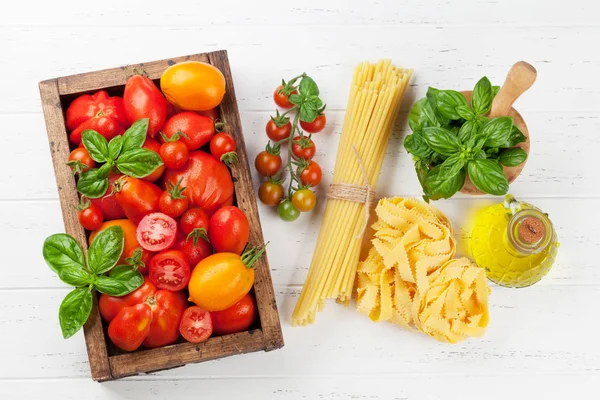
x=263 y=286
x=184 y=353
x=67 y=192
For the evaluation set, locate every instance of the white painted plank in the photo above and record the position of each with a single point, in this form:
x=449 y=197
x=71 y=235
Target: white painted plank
x=535 y=330
x=356 y=386
x=447 y=57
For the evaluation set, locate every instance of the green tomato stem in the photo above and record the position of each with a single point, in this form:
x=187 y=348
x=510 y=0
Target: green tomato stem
x=290 y=154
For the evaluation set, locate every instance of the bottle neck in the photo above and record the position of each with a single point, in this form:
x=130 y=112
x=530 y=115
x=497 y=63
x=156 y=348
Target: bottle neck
x=529 y=232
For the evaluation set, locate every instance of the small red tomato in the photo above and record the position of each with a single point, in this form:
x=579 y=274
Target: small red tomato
x=172 y=202
x=131 y=326
x=303 y=147
x=316 y=126
x=228 y=230
x=174 y=154
x=195 y=248
x=237 y=318
x=170 y=270
x=281 y=97
x=267 y=164
x=111 y=209
x=270 y=193
x=311 y=175
x=90 y=215
x=198 y=129
x=194 y=219
x=80 y=160
x=278 y=133
x=156 y=232
x=196 y=325
x=153 y=145
x=222 y=146
x=142 y=99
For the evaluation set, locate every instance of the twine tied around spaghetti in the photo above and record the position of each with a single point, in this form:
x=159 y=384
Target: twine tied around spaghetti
x=356 y=193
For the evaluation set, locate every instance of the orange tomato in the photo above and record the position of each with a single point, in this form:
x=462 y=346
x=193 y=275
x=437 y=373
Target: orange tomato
x=219 y=281
x=193 y=85
x=129 y=229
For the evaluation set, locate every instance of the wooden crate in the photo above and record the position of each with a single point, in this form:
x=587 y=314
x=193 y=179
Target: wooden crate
x=107 y=362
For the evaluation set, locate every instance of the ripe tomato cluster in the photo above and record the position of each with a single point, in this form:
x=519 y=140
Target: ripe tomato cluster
x=181 y=229
x=305 y=173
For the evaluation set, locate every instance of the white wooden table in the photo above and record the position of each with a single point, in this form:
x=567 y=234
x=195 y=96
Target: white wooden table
x=542 y=341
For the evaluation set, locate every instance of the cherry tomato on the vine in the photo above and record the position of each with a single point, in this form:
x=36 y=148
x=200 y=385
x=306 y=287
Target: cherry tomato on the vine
x=278 y=133
x=287 y=211
x=303 y=148
x=316 y=126
x=282 y=99
x=80 y=160
x=270 y=193
x=304 y=200
x=267 y=164
x=90 y=215
x=311 y=175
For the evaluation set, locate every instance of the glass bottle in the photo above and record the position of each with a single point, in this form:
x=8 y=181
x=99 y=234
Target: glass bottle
x=514 y=242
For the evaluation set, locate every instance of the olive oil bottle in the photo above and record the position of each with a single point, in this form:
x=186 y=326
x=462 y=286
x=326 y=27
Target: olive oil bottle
x=514 y=242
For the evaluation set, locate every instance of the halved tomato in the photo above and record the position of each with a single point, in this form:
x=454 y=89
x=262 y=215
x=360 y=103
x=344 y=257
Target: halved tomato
x=156 y=232
x=196 y=325
x=170 y=270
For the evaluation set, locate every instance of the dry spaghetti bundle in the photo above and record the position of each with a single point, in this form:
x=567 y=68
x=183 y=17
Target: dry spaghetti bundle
x=375 y=96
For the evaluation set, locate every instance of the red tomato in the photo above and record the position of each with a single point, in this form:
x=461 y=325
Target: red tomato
x=153 y=145
x=90 y=217
x=138 y=198
x=80 y=160
x=166 y=315
x=267 y=164
x=207 y=181
x=311 y=175
x=282 y=99
x=131 y=327
x=110 y=306
x=142 y=99
x=98 y=111
x=139 y=258
x=111 y=209
x=316 y=126
x=198 y=129
x=171 y=205
x=156 y=232
x=174 y=154
x=194 y=253
x=270 y=193
x=213 y=113
x=196 y=325
x=237 y=318
x=222 y=143
x=278 y=133
x=170 y=270
x=303 y=148
x=228 y=230
x=194 y=218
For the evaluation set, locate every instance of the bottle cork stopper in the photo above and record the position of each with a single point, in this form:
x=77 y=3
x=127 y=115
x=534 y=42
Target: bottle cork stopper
x=531 y=230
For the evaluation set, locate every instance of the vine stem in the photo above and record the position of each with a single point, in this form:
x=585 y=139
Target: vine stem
x=291 y=155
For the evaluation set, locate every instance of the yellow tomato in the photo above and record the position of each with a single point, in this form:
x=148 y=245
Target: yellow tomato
x=193 y=85
x=219 y=281
x=129 y=229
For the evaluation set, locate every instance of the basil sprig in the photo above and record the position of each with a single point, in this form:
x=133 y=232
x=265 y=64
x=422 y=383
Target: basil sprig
x=65 y=257
x=451 y=139
x=307 y=99
x=122 y=153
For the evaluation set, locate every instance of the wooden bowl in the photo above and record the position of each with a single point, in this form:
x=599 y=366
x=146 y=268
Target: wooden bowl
x=511 y=173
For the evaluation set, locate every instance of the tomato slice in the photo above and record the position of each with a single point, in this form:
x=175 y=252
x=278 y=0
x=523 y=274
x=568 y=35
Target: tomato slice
x=156 y=232
x=170 y=270
x=196 y=325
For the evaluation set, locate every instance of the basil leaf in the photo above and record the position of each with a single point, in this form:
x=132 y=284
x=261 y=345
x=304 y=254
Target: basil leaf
x=75 y=276
x=135 y=136
x=122 y=280
x=487 y=175
x=492 y=152
x=482 y=96
x=465 y=112
x=496 y=131
x=451 y=166
x=415 y=116
x=448 y=101
x=114 y=147
x=62 y=251
x=422 y=169
x=516 y=137
x=468 y=130
x=495 y=90
x=512 y=157
x=431 y=99
x=308 y=87
x=441 y=140
x=307 y=113
x=74 y=311
x=106 y=249
x=139 y=163
x=436 y=187
x=92 y=184
x=104 y=171
x=96 y=145
x=416 y=145
x=295 y=99
x=479 y=154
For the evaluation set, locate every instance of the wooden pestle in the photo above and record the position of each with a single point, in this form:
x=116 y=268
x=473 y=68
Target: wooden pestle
x=520 y=78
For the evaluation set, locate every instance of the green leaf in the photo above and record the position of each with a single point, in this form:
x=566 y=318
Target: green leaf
x=451 y=166
x=91 y=184
x=295 y=99
x=308 y=87
x=415 y=116
x=122 y=280
x=448 y=101
x=512 y=157
x=516 y=137
x=106 y=249
x=431 y=99
x=468 y=130
x=416 y=145
x=62 y=251
x=487 y=175
x=307 y=113
x=495 y=90
x=483 y=95
x=96 y=145
x=114 y=147
x=135 y=136
x=104 y=171
x=492 y=152
x=75 y=276
x=436 y=187
x=441 y=140
x=465 y=112
x=138 y=163
x=496 y=131
x=74 y=311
